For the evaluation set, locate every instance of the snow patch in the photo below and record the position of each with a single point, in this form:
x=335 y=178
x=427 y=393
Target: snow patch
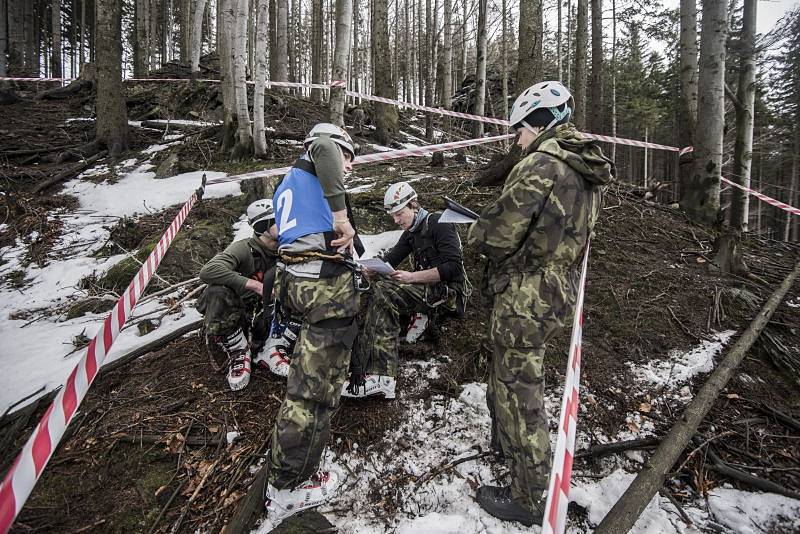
x=753 y=513
x=679 y=368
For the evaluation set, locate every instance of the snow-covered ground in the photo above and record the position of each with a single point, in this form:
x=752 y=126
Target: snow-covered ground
x=37 y=352
x=439 y=430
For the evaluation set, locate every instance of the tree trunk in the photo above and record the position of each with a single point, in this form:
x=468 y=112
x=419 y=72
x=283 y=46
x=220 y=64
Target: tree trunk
x=224 y=31
x=15 y=65
x=650 y=479
x=244 y=143
x=529 y=61
x=83 y=33
x=580 y=65
x=596 y=117
x=355 y=62
x=344 y=16
x=463 y=69
x=447 y=76
x=687 y=107
x=316 y=48
x=273 y=39
x=427 y=50
x=480 y=68
x=185 y=31
x=701 y=200
x=141 y=45
x=197 y=37
x=569 y=44
x=292 y=41
x=794 y=191
x=112 y=119
x=558 y=38
x=3 y=38
x=55 y=35
x=613 y=153
x=282 y=53
x=743 y=148
x=385 y=114
x=259 y=134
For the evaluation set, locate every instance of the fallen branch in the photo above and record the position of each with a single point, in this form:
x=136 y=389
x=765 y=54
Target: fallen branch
x=449 y=465
x=604 y=449
x=37 y=151
x=250 y=506
x=69 y=173
x=723 y=468
x=651 y=478
x=151 y=346
x=194 y=441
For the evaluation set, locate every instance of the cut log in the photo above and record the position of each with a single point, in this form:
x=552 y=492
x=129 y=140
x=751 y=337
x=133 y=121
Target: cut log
x=69 y=173
x=651 y=478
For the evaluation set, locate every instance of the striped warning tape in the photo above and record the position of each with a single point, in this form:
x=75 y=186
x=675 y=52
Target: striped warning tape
x=761 y=196
x=372 y=158
x=399 y=103
x=27 y=467
x=555 y=514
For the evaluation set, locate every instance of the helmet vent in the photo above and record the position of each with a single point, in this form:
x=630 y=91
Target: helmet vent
x=555 y=92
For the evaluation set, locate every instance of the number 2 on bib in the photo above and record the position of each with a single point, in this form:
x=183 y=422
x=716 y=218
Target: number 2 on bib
x=285 y=209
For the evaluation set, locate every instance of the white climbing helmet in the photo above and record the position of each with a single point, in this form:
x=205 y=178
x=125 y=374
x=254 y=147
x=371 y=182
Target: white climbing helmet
x=337 y=135
x=260 y=215
x=548 y=96
x=397 y=196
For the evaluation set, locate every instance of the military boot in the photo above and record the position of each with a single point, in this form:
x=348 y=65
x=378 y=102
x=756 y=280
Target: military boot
x=498 y=502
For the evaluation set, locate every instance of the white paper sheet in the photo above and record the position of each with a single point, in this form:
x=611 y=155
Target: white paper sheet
x=376 y=265
x=450 y=216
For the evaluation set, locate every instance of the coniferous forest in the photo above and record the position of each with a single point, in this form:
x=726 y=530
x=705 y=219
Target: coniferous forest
x=138 y=136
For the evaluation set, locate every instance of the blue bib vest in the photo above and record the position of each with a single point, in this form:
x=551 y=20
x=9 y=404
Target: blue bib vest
x=300 y=205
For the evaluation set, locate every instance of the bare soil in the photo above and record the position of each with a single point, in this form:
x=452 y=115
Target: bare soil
x=156 y=427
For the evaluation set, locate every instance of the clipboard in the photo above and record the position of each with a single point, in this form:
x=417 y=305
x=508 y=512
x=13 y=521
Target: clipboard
x=457 y=213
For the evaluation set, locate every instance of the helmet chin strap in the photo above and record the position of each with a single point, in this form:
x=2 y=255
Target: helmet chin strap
x=532 y=129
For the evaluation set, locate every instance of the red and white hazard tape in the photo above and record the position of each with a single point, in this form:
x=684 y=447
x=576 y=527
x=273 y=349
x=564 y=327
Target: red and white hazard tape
x=371 y=158
x=10 y=79
x=399 y=103
x=761 y=196
x=28 y=466
x=555 y=512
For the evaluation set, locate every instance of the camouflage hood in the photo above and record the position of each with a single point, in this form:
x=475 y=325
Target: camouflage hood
x=583 y=155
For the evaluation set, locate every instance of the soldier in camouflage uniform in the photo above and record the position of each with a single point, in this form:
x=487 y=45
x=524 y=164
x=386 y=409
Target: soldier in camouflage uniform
x=437 y=284
x=533 y=236
x=315 y=284
x=237 y=279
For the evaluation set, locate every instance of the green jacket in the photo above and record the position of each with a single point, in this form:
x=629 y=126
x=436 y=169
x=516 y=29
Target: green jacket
x=548 y=207
x=240 y=261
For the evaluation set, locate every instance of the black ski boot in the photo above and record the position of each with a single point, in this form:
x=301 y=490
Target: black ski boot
x=499 y=503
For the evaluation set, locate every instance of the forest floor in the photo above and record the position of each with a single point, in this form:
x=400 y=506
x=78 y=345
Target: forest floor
x=161 y=444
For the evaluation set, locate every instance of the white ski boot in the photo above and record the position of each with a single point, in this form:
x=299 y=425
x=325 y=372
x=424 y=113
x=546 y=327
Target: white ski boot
x=239 y=371
x=275 y=357
x=315 y=491
x=236 y=348
x=375 y=385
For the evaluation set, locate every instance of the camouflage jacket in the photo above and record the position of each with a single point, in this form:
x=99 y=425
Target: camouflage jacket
x=241 y=260
x=548 y=206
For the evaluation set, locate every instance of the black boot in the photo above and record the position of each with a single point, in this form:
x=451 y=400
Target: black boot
x=499 y=503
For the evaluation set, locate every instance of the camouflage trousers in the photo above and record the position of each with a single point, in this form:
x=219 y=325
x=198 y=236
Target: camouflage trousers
x=528 y=310
x=224 y=311
x=317 y=372
x=380 y=324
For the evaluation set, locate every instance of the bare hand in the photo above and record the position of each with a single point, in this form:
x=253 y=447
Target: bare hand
x=255 y=286
x=404 y=276
x=346 y=234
